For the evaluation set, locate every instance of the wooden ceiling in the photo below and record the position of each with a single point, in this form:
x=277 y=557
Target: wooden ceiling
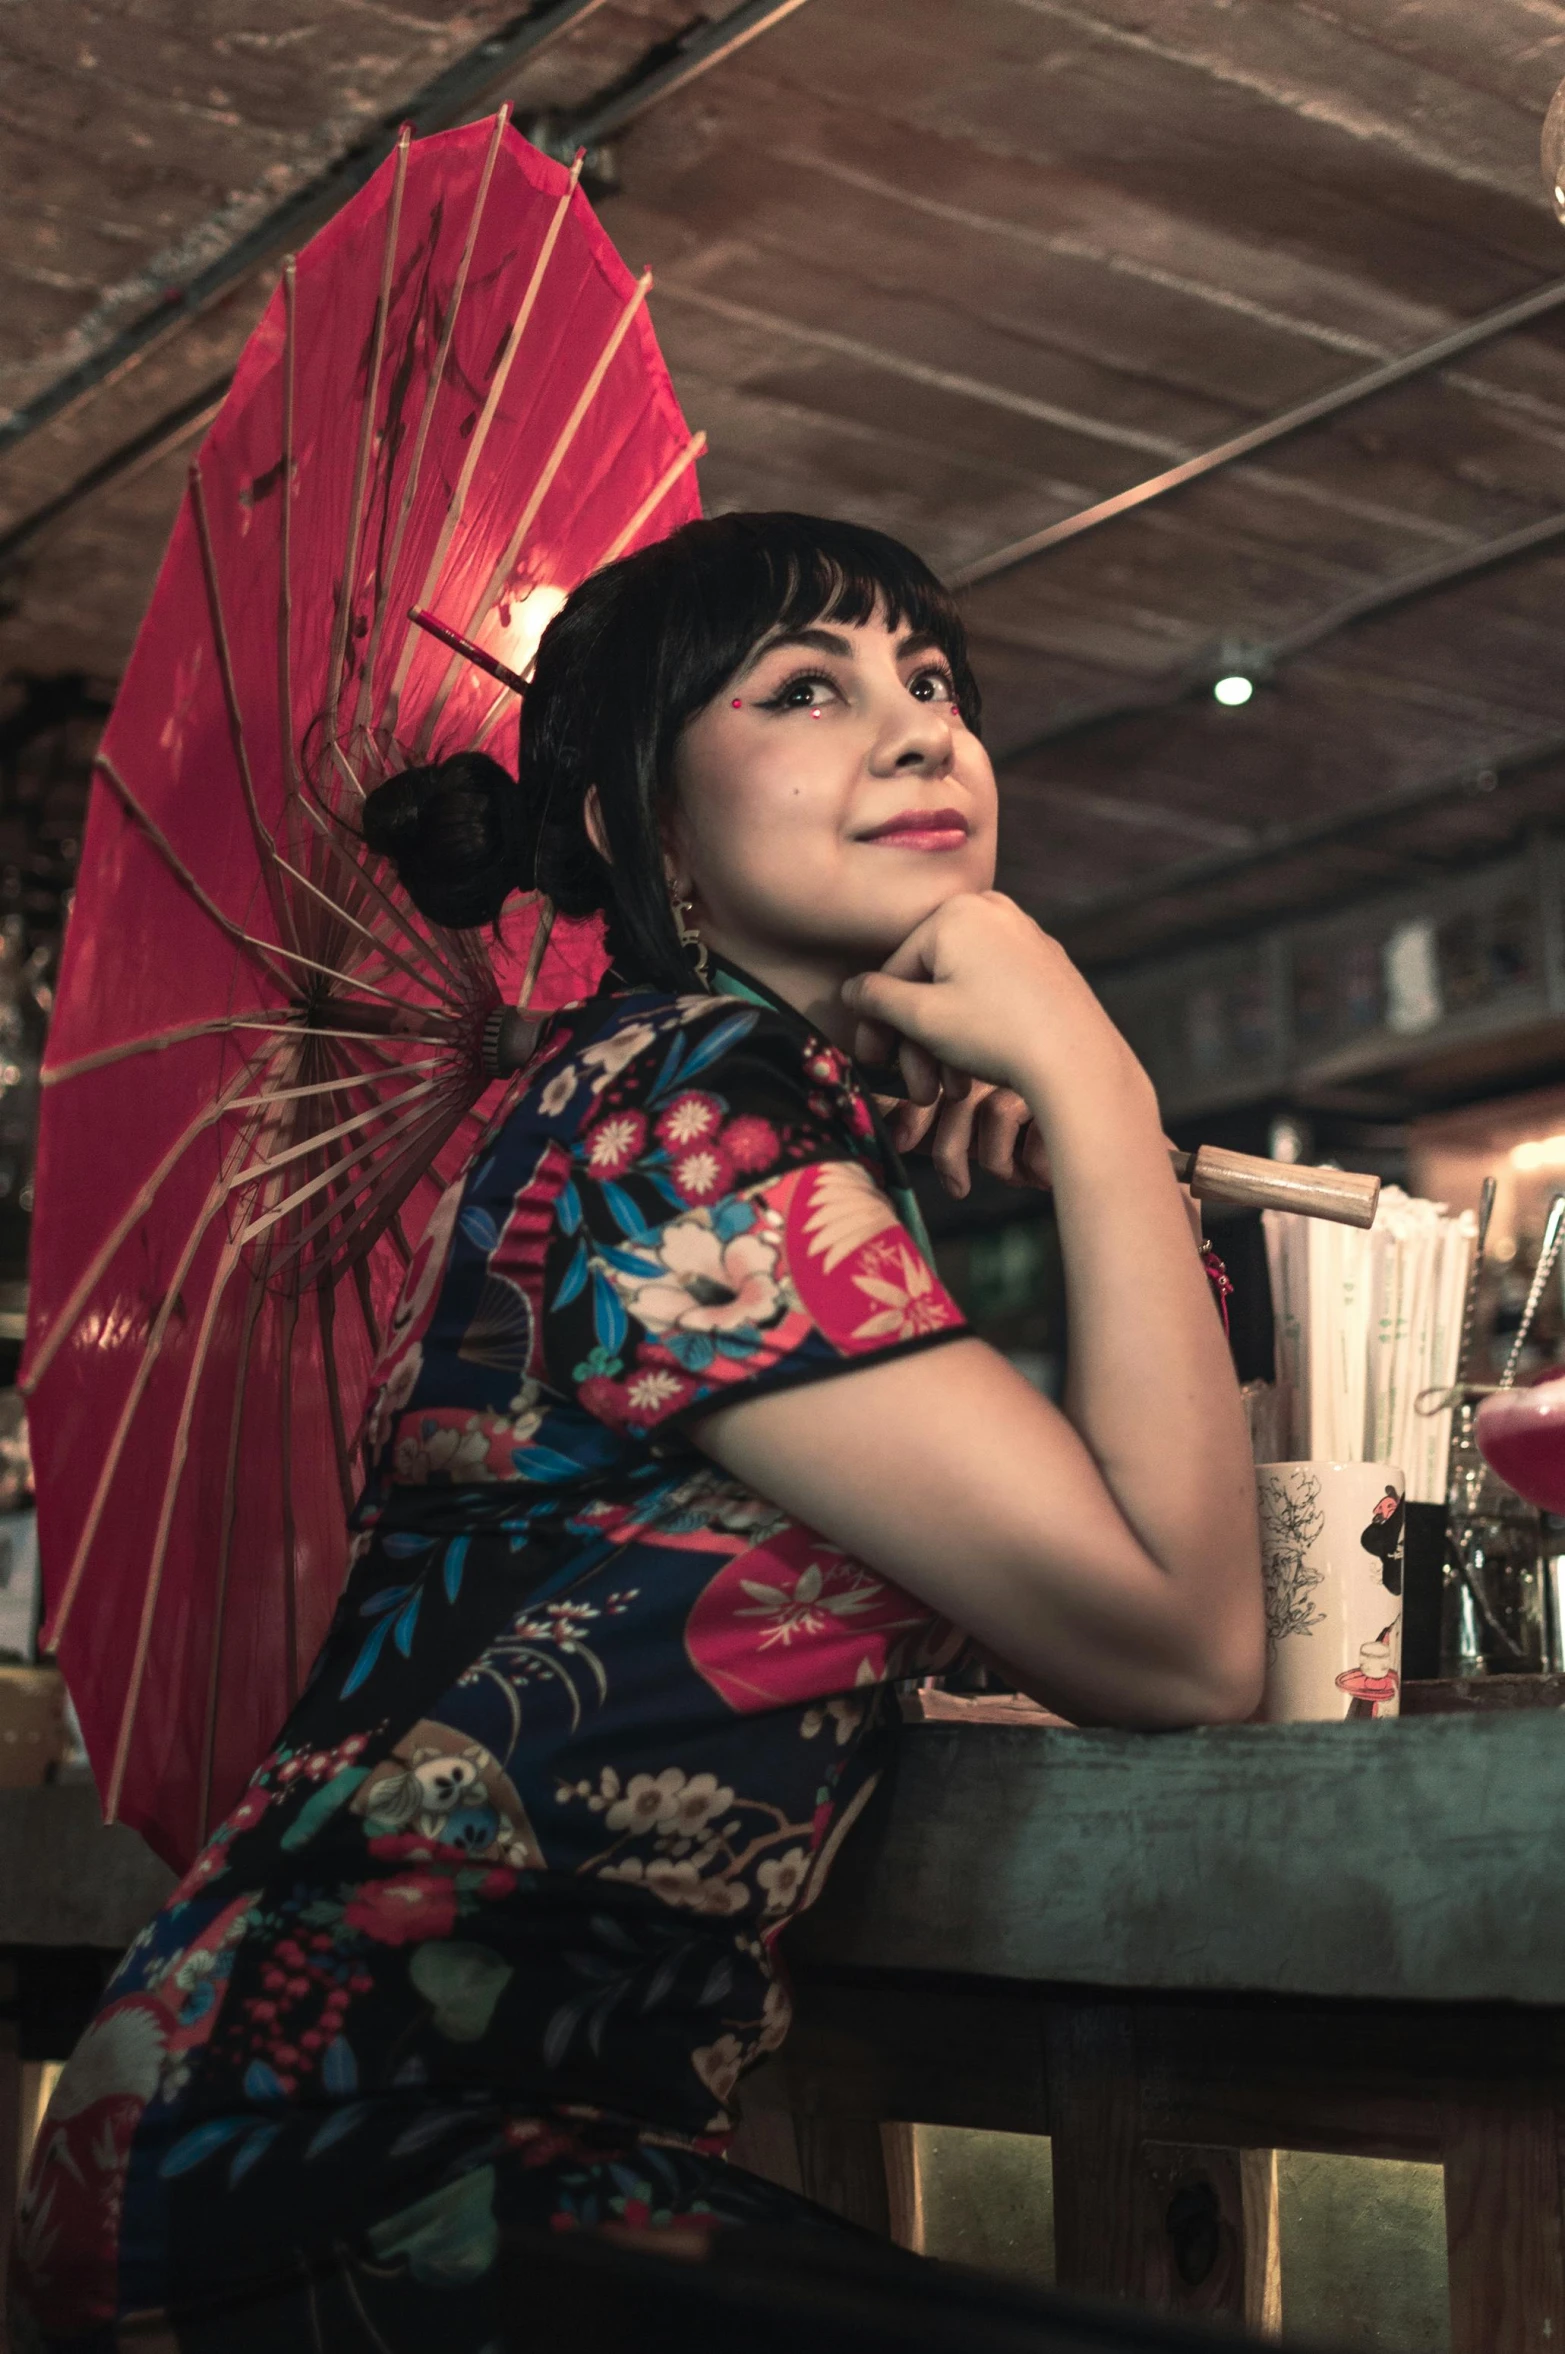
x=960 y=268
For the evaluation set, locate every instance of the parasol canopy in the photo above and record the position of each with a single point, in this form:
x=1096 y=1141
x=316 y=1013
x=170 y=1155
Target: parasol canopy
x=264 y=1065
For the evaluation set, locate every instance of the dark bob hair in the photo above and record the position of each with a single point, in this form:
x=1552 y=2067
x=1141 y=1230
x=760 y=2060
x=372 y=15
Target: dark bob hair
x=635 y=653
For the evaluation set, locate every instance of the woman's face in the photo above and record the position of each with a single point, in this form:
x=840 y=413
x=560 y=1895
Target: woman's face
x=830 y=798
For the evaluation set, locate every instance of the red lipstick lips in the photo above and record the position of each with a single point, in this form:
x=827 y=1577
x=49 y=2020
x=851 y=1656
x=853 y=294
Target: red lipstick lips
x=922 y=829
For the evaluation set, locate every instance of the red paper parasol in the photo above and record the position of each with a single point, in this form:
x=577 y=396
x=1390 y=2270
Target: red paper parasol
x=264 y=1066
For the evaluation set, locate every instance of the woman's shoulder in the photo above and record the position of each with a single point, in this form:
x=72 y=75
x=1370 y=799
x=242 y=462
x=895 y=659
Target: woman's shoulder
x=640 y=1045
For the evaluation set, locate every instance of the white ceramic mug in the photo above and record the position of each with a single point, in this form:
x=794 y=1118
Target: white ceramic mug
x=1331 y=1551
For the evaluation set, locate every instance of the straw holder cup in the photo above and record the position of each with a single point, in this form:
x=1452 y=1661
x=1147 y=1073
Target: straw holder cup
x=1331 y=1553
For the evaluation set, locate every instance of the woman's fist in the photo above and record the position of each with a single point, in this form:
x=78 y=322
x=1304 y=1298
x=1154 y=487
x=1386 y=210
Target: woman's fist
x=987 y=1127
x=978 y=991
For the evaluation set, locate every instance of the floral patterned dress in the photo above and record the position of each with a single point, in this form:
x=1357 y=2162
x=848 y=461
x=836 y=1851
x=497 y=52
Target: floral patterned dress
x=491 y=1935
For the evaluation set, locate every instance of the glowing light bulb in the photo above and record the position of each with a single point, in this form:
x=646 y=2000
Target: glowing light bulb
x=1539 y=1152
x=1234 y=690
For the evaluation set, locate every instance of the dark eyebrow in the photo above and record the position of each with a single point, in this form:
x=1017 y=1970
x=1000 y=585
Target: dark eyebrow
x=918 y=641
x=820 y=641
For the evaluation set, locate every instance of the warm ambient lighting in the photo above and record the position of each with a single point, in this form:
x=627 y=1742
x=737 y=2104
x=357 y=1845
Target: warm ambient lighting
x=524 y=616
x=1234 y=691
x=1539 y=1152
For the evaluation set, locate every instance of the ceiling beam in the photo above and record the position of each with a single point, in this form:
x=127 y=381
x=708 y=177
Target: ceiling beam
x=1260 y=661
x=669 y=68
x=463 y=86
x=1317 y=833
x=1503 y=321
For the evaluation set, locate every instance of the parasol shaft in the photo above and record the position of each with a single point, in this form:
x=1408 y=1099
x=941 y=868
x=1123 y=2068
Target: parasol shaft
x=1250 y=1183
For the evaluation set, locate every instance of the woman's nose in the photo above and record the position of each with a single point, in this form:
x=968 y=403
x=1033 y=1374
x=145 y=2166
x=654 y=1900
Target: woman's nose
x=919 y=743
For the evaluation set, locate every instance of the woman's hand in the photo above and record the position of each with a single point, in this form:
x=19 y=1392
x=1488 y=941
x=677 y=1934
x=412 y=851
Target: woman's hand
x=992 y=1127
x=978 y=991
x=989 y=1126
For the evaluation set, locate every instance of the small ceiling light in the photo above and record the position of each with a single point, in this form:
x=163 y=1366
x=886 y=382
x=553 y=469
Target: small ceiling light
x=1234 y=690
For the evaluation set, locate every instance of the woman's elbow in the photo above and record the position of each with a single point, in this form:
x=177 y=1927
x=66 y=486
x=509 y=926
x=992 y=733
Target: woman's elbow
x=1234 y=1694
x=1231 y=1674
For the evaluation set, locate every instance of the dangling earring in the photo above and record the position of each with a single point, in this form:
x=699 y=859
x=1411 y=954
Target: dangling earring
x=690 y=939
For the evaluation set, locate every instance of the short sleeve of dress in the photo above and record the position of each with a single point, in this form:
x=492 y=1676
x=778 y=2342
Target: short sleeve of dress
x=727 y=1226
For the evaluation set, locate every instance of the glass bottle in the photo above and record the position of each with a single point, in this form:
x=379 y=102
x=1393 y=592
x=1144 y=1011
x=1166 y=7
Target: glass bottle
x=1494 y=1620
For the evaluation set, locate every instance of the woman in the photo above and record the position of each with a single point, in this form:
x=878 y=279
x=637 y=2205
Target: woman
x=492 y=1934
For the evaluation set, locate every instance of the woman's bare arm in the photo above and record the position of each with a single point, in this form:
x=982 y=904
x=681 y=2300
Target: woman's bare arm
x=1108 y=1552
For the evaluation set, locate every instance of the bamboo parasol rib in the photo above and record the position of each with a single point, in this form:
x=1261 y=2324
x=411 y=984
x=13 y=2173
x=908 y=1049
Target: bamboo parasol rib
x=427 y=417
x=506 y=564
x=479 y=438
x=367 y=430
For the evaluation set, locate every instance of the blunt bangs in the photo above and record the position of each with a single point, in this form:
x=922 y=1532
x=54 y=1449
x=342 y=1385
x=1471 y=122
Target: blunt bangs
x=753 y=575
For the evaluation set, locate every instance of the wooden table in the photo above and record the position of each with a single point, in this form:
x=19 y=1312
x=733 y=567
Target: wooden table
x=1175 y=1954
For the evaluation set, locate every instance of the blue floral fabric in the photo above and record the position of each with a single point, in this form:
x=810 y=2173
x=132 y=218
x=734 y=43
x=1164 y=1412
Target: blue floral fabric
x=492 y=1934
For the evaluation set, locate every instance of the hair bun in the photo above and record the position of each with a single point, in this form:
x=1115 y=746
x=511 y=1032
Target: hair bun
x=391 y=820
x=452 y=834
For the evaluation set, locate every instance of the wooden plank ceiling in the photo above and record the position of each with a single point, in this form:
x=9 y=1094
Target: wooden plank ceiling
x=961 y=268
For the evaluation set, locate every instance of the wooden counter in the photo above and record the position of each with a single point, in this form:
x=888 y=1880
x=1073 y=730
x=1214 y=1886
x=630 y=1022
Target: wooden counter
x=1177 y=1954
x=1174 y=1953
x=1420 y=1861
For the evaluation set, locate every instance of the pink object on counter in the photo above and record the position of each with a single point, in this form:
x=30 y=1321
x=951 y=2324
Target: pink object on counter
x=1521 y=1435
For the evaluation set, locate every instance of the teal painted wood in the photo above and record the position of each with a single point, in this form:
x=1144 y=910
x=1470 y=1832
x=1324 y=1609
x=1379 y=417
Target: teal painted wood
x=1420 y=1861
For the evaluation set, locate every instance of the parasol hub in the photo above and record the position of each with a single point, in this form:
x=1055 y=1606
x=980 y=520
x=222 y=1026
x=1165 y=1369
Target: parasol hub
x=508 y=1041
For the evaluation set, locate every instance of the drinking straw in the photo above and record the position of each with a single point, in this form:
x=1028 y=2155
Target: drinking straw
x=1406 y=1251
x=1365 y=1324
x=1286 y=1244
x=1339 y=1341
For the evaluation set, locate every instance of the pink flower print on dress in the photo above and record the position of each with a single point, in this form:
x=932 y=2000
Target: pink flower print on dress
x=692 y=1118
x=647 y=1398
x=751 y=1144
x=405 y=1910
x=703 y=1174
x=794 y=1620
x=615 y=1143
x=656 y=1392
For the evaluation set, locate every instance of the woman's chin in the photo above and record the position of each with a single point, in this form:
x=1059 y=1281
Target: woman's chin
x=855 y=928
x=891 y=914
